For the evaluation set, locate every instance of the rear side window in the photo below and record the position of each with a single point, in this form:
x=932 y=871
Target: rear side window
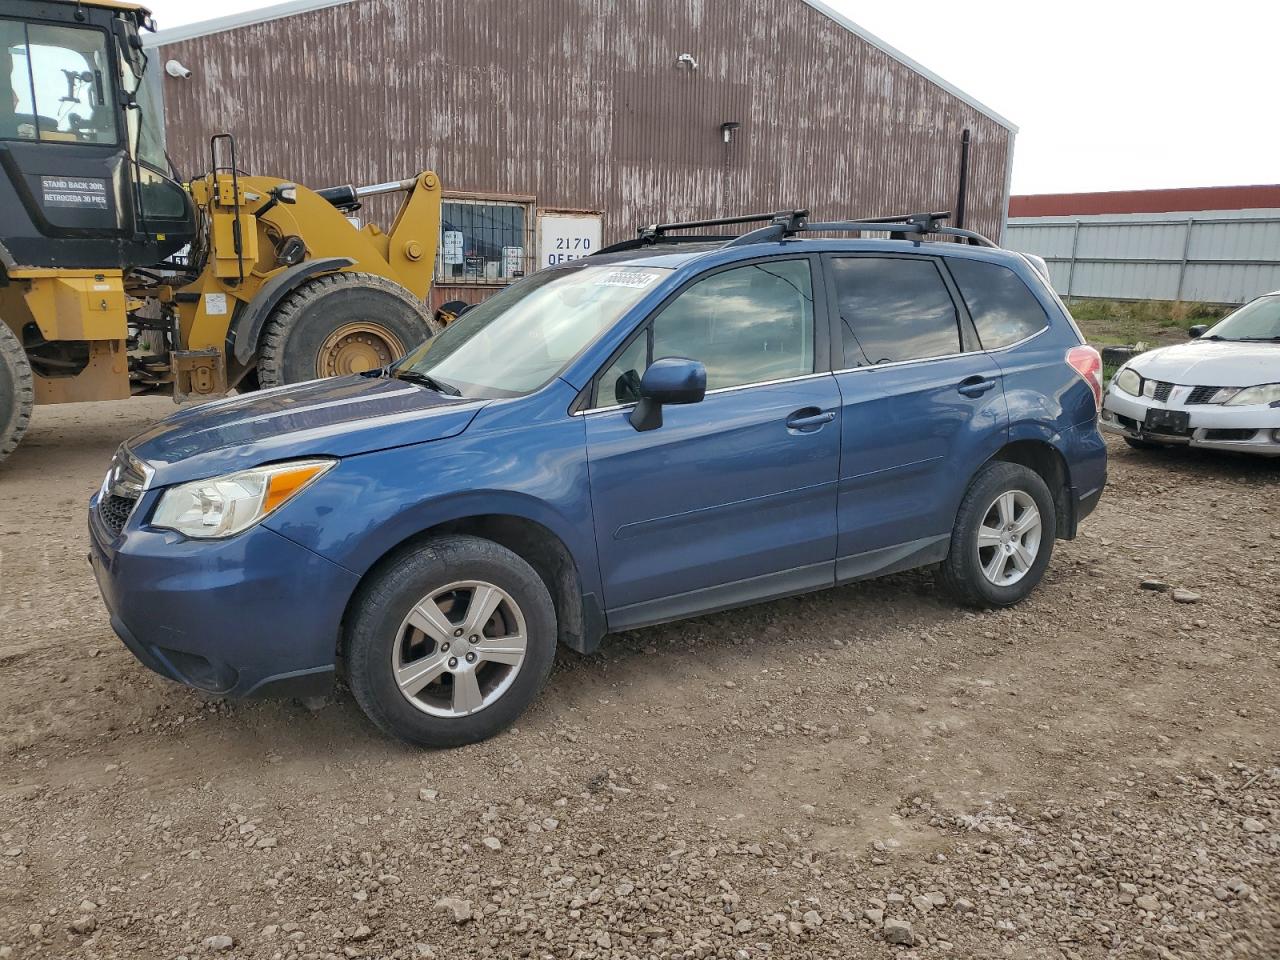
x=892 y=310
x=1003 y=309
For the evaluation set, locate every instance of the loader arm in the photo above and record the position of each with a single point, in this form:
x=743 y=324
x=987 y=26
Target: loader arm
x=213 y=306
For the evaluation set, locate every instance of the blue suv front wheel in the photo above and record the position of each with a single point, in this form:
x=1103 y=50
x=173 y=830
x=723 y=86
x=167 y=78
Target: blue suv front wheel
x=450 y=641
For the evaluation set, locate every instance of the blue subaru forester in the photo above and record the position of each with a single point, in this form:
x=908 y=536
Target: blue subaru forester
x=674 y=426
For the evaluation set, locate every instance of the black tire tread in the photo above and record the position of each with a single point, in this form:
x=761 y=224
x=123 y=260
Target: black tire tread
x=14 y=358
x=276 y=331
x=959 y=574
x=381 y=592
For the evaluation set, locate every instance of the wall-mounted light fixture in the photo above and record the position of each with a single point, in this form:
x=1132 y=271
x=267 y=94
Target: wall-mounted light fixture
x=687 y=60
x=727 y=128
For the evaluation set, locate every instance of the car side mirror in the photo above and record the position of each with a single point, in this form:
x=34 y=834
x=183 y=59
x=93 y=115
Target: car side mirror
x=1198 y=331
x=669 y=380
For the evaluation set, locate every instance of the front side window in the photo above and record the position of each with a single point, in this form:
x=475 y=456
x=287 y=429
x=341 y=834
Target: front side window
x=483 y=241
x=892 y=310
x=1003 y=309
x=518 y=340
x=56 y=84
x=745 y=325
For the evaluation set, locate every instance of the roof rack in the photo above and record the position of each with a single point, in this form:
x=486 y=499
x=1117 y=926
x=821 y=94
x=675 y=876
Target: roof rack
x=788 y=223
x=915 y=226
x=653 y=233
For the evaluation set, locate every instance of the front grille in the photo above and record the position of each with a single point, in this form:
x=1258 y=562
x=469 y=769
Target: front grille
x=1229 y=434
x=121 y=489
x=115 y=510
x=1202 y=394
x=1162 y=390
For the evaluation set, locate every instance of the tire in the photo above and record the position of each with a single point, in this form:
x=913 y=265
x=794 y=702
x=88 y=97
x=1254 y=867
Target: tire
x=17 y=391
x=383 y=321
x=382 y=643
x=962 y=574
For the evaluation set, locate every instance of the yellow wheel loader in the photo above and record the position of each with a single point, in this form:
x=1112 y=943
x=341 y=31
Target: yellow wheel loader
x=117 y=279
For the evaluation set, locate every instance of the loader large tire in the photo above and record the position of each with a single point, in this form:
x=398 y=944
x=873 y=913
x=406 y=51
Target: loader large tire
x=338 y=324
x=17 y=392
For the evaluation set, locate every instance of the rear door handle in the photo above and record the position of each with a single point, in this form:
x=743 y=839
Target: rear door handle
x=809 y=419
x=975 y=386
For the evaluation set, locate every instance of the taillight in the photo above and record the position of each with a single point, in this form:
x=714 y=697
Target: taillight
x=1087 y=362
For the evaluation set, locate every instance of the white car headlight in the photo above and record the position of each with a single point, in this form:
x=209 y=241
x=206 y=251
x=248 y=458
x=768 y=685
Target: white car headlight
x=225 y=506
x=1127 y=379
x=1256 y=396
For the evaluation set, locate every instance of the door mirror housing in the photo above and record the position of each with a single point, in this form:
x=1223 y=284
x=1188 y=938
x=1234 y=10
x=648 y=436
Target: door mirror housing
x=669 y=380
x=1198 y=331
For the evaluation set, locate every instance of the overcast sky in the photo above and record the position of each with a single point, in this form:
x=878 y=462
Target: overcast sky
x=1108 y=94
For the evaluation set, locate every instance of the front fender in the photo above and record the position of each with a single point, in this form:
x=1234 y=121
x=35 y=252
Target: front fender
x=245 y=330
x=370 y=504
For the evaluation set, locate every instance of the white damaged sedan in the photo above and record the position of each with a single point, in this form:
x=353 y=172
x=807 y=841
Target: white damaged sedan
x=1221 y=390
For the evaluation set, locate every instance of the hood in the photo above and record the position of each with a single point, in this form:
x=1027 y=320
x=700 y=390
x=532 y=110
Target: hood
x=1212 y=363
x=339 y=417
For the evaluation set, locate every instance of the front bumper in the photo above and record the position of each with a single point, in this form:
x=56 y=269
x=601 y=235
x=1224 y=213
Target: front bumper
x=252 y=615
x=1213 y=426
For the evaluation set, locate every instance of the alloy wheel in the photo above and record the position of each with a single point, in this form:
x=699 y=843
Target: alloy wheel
x=459 y=649
x=1009 y=537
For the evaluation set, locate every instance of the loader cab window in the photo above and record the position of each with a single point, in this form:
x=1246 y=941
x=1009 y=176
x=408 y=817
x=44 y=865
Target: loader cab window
x=60 y=85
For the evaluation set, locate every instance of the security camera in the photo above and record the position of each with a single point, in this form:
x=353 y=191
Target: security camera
x=176 y=70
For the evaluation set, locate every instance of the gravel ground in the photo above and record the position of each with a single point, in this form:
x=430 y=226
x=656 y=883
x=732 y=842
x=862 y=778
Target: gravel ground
x=867 y=772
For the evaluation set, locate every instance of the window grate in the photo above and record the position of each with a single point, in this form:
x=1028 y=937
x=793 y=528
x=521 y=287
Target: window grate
x=484 y=241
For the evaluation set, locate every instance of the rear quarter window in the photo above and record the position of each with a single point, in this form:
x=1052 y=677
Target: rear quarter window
x=1002 y=307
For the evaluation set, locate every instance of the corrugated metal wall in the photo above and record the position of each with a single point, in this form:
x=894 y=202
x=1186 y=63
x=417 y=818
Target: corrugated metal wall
x=581 y=104
x=1228 y=256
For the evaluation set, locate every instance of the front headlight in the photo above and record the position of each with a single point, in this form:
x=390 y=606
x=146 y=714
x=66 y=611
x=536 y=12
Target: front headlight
x=225 y=506
x=1128 y=380
x=1256 y=396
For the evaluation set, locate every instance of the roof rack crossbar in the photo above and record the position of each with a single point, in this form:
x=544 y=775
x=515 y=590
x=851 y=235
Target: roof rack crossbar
x=654 y=230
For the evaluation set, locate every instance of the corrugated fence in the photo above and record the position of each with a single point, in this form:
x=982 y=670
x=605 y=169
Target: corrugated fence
x=1211 y=256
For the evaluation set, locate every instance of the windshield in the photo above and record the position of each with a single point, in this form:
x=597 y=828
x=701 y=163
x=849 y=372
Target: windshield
x=1258 y=320
x=520 y=339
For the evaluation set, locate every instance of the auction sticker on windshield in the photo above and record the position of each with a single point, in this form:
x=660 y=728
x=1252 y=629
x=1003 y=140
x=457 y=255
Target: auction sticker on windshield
x=627 y=278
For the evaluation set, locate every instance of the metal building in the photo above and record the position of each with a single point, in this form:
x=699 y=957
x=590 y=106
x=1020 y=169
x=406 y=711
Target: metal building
x=556 y=125
x=1206 y=244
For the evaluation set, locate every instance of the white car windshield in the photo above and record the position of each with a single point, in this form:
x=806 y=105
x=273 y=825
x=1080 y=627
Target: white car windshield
x=1258 y=320
x=521 y=338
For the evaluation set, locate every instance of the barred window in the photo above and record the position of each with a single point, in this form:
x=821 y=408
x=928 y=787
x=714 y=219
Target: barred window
x=484 y=241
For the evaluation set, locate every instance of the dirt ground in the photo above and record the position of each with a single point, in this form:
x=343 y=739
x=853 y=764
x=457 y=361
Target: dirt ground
x=1093 y=774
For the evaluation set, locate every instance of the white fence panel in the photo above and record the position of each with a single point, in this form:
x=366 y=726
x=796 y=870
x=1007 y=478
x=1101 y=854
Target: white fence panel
x=1213 y=256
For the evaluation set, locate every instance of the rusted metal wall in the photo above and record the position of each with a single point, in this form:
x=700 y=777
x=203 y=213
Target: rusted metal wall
x=581 y=104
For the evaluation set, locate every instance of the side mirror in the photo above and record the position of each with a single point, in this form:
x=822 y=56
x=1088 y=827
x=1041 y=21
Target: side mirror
x=669 y=380
x=1198 y=331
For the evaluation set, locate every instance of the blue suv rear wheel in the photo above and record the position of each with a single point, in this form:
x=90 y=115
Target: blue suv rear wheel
x=1002 y=539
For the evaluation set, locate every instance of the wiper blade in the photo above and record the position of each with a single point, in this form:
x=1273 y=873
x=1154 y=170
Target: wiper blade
x=430 y=382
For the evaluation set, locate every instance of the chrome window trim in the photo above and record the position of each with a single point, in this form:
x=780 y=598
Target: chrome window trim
x=716 y=391
x=831 y=373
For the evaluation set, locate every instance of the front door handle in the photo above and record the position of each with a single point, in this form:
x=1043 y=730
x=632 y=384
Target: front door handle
x=809 y=419
x=975 y=386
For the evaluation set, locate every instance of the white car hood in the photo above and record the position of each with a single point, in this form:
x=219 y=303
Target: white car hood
x=1212 y=363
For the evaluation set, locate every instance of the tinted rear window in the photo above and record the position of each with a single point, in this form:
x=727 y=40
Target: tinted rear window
x=1003 y=309
x=893 y=309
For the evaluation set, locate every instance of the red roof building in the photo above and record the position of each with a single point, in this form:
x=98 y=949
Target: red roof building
x=1182 y=200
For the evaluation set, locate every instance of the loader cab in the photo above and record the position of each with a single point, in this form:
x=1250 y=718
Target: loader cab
x=83 y=176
